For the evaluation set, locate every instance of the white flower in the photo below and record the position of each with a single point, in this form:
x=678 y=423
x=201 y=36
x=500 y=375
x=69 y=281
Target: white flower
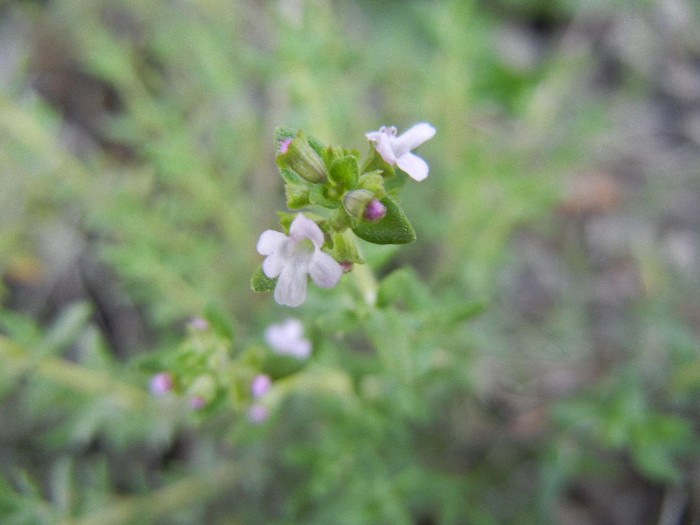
x=397 y=150
x=293 y=258
x=287 y=338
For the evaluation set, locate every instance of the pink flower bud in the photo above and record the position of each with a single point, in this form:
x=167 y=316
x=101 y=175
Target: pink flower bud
x=284 y=145
x=260 y=385
x=161 y=383
x=374 y=211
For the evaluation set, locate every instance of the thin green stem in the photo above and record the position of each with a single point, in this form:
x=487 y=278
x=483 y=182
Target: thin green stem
x=366 y=283
x=146 y=508
x=18 y=360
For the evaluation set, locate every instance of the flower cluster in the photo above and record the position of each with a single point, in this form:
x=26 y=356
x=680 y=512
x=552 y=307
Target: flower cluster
x=343 y=199
x=207 y=373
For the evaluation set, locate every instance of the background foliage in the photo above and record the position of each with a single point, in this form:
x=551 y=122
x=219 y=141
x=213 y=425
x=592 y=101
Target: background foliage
x=532 y=358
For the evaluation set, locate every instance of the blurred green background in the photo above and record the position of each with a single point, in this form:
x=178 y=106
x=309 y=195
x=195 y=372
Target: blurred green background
x=534 y=357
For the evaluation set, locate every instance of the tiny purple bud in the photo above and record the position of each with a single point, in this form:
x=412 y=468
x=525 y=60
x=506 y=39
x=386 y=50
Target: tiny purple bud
x=260 y=385
x=257 y=413
x=284 y=145
x=197 y=403
x=161 y=383
x=346 y=266
x=374 y=211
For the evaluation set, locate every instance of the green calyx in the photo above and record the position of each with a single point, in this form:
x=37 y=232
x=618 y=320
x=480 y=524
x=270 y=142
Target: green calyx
x=302 y=159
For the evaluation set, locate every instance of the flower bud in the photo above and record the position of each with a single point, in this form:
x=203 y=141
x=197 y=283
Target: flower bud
x=161 y=383
x=298 y=155
x=362 y=204
x=374 y=211
x=260 y=385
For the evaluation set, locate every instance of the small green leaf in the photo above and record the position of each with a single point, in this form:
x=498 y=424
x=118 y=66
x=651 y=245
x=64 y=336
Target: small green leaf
x=394 y=228
x=345 y=172
x=374 y=182
x=317 y=196
x=297 y=195
x=261 y=282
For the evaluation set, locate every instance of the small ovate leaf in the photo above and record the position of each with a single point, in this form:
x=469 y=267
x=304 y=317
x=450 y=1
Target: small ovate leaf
x=394 y=228
x=317 y=196
x=261 y=282
x=374 y=182
x=297 y=195
x=345 y=172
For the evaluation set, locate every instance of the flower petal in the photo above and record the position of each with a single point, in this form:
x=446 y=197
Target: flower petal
x=324 y=270
x=290 y=289
x=413 y=165
x=292 y=329
x=304 y=228
x=382 y=144
x=273 y=265
x=412 y=138
x=270 y=241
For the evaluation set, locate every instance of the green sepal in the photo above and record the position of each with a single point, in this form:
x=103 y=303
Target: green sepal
x=303 y=159
x=394 y=228
x=286 y=220
x=317 y=195
x=261 y=282
x=344 y=171
x=345 y=247
x=374 y=182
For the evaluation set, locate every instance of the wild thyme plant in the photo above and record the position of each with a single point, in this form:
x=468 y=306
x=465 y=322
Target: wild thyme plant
x=344 y=197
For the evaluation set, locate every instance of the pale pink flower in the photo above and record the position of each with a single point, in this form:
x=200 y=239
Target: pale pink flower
x=397 y=150
x=292 y=258
x=287 y=338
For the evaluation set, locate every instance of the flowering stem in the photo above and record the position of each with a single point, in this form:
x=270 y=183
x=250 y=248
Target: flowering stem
x=19 y=360
x=165 y=501
x=366 y=283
